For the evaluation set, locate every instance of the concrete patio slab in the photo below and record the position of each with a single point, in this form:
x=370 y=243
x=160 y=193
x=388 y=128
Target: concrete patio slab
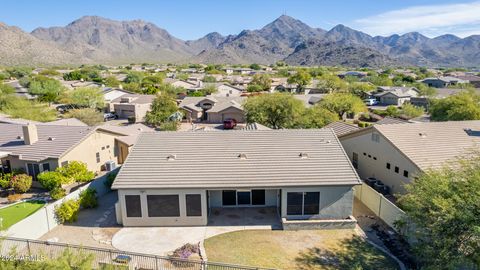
x=163 y=240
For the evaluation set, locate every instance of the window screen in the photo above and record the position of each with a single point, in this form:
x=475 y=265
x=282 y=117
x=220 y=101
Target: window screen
x=229 y=197
x=46 y=167
x=163 y=206
x=311 y=203
x=405 y=173
x=194 y=205
x=258 y=197
x=133 y=205
x=294 y=203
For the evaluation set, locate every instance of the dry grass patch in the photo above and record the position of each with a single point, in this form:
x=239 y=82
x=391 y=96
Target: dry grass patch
x=306 y=250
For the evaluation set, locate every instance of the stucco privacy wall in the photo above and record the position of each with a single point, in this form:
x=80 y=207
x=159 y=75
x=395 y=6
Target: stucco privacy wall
x=43 y=221
x=336 y=202
x=380 y=206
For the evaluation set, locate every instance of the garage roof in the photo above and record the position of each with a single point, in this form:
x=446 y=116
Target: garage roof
x=235 y=159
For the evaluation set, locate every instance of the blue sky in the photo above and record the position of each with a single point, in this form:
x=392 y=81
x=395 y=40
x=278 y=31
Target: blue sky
x=191 y=19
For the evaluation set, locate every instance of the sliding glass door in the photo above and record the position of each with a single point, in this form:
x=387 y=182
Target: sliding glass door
x=303 y=203
x=254 y=197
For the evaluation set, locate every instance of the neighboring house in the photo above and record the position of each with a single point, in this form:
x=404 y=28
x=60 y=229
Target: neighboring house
x=185 y=84
x=180 y=178
x=213 y=109
x=357 y=74
x=129 y=135
x=341 y=128
x=396 y=153
x=110 y=94
x=393 y=95
x=36 y=148
x=225 y=90
x=132 y=105
x=442 y=82
x=472 y=79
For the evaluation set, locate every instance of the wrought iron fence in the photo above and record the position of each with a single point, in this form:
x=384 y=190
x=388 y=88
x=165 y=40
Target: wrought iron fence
x=36 y=250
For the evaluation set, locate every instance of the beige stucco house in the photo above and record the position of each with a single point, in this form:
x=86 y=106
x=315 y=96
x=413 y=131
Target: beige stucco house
x=37 y=148
x=396 y=153
x=394 y=95
x=181 y=178
x=212 y=109
x=132 y=105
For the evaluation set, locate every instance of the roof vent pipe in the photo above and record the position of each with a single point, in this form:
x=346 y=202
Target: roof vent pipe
x=171 y=157
x=242 y=156
x=303 y=155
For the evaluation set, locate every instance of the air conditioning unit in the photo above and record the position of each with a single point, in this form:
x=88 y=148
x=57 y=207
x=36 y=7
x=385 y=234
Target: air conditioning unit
x=110 y=166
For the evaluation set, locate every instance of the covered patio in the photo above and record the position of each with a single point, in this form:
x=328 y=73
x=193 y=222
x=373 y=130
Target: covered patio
x=260 y=217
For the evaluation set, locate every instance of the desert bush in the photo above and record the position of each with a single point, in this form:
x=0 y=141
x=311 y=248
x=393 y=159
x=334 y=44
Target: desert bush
x=67 y=211
x=58 y=193
x=88 y=198
x=5 y=180
x=76 y=171
x=21 y=183
x=52 y=180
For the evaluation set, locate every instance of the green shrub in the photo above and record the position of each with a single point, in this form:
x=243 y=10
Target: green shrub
x=67 y=211
x=58 y=193
x=21 y=183
x=131 y=119
x=52 y=180
x=76 y=171
x=5 y=180
x=110 y=178
x=88 y=198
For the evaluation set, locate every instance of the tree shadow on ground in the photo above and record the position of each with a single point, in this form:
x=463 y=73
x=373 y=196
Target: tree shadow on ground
x=353 y=254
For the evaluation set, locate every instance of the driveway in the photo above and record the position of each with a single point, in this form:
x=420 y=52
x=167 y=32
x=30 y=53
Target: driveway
x=163 y=240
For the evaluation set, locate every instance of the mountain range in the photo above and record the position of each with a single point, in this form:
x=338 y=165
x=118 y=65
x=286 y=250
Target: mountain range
x=93 y=39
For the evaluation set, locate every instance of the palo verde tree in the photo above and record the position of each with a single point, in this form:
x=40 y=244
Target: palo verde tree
x=343 y=103
x=302 y=78
x=277 y=110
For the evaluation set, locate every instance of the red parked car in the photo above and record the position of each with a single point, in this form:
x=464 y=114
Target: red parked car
x=229 y=124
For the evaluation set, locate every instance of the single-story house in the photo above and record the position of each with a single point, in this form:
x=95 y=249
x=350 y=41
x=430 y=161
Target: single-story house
x=357 y=74
x=180 y=178
x=393 y=95
x=132 y=105
x=396 y=153
x=110 y=94
x=36 y=148
x=442 y=82
x=213 y=109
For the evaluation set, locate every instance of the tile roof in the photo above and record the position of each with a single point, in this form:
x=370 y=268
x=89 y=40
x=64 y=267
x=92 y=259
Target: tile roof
x=135 y=99
x=341 y=128
x=65 y=137
x=211 y=160
x=391 y=120
x=430 y=145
